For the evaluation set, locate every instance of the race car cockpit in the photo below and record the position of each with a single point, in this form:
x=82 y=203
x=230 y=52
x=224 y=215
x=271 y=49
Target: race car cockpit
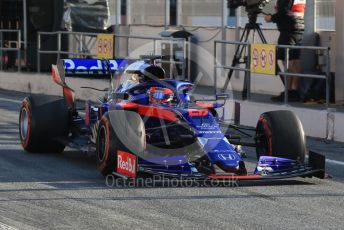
x=140 y=72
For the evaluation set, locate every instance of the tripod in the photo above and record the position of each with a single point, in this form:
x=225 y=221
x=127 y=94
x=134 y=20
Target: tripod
x=251 y=25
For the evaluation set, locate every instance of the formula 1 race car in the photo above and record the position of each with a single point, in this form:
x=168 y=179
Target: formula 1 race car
x=147 y=125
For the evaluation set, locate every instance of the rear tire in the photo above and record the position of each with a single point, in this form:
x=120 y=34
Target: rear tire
x=280 y=134
x=43 y=120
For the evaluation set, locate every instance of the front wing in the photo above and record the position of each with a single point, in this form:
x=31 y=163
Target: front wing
x=314 y=168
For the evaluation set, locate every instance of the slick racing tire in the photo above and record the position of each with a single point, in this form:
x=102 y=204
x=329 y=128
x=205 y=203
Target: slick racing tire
x=118 y=130
x=43 y=121
x=280 y=134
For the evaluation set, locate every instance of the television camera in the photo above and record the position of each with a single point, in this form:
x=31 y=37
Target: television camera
x=253 y=7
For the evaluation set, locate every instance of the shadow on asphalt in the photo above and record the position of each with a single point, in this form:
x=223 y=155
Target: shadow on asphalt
x=72 y=170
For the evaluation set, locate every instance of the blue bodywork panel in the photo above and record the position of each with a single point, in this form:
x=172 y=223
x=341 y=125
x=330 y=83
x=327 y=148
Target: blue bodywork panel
x=93 y=67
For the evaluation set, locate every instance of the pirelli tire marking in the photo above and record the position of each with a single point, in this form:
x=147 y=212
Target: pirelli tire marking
x=94 y=132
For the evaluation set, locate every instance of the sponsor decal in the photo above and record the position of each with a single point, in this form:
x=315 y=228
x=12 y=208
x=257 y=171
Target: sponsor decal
x=209 y=132
x=92 y=66
x=198 y=113
x=126 y=164
x=94 y=132
x=226 y=156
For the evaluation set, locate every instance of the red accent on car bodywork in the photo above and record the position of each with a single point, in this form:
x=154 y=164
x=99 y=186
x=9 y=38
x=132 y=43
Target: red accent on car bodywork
x=152 y=111
x=128 y=105
x=56 y=76
x=205 y=105
x=68 y=93
x=69 y=96
x=126 y=164
x=198 y=113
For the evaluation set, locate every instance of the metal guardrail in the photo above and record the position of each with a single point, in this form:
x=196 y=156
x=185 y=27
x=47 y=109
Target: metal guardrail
x=285 y=74
x=86 y=51
x=3 y=48
x=78 y=36
x=320 y=76
x=169 y=40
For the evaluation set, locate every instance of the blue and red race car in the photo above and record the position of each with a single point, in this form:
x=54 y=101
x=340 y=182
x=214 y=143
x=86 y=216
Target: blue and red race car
x=148 y=125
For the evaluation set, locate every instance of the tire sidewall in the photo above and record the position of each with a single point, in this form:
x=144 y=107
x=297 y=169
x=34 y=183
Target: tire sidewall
x=108 y=162
x=25 y=105
x=284 y=135
x=120 y=134
x=48 y=123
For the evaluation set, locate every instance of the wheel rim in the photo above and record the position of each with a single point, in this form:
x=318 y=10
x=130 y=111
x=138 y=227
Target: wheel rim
x=24 y=124
x=102 y=144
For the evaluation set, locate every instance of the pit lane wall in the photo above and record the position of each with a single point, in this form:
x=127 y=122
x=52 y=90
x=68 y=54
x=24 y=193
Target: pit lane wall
x=43 y=84
x=315 y=121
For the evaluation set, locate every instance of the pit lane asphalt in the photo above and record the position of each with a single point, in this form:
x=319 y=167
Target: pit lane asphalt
x=46 y=191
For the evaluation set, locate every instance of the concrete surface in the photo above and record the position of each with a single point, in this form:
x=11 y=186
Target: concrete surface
x=43 y=83
x=65 y=191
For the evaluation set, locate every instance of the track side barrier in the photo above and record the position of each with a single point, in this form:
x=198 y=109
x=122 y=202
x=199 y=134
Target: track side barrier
x=87 y=43
x=8 y=48
x=285 y=74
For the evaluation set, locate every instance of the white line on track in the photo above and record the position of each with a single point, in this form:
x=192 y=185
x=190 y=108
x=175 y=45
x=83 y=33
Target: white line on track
x=9 y=141
x=11 y=100
x=341 y=163
x=9 y=145
x=6 y=227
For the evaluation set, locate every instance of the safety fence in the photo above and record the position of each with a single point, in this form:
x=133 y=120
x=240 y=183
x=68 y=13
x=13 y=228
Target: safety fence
x=284 y=74
x=84 y=45
x=9 y=44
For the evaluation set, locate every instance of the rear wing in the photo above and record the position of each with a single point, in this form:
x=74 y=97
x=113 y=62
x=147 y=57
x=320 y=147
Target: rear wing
x=98 y=68
x=58 y=74
x=89 y=68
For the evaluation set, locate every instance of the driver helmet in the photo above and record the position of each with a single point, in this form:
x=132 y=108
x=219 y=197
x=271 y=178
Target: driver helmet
x=160 y=95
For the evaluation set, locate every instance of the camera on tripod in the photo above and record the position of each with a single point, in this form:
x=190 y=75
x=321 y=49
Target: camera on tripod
x=253 y=7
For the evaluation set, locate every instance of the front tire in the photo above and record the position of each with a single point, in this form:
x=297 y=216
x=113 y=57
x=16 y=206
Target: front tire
x=118 y=130
x=280 y=134
x=43 y=120
x=106 y=147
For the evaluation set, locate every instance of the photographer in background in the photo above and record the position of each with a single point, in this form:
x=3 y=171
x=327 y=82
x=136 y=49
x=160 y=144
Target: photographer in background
x=289 y=18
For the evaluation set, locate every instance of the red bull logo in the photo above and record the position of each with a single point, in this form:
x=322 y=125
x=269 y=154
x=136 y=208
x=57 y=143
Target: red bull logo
x=126 y=164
